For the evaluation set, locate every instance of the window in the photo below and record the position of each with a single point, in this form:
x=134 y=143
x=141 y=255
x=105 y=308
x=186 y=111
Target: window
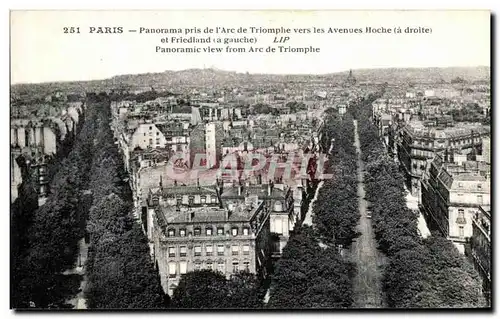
x=220 y=250
x=246 y=264
x=208 y=231
x=183 y=252
x=234 y=231
x=209 y=249
x=245 y=231
x=144 y=134
x=172 y=270
x=236 y=266
x=183 y=267
x=182 y=233
x=480 y=199
x=171 y=232
x=479 y=186
x=171 y=251
x=157 y=141
x=191 y=200
x=179 y=200
x=460 y=185
x=209 y=265
x=157 y=133
x=235 y=250
x=220 y=231
x=197 y=250
x=221 y=266
x=150 y=141
x=246 y=249
x=214 y=199
x=461 y=231
x=179 y=148
x=461 y=213
x=197 y=231
x=203 y=199
x=150 y=128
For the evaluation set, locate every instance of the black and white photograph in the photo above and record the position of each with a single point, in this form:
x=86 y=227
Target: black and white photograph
x=265 y=160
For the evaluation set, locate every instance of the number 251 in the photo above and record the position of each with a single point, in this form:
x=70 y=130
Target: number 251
x=71 y=30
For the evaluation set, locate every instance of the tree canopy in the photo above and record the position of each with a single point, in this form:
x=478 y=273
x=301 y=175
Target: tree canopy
x=207 y=289
x=420 y=273
x=309 y=276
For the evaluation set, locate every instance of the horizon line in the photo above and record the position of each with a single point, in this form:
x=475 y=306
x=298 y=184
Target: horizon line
x=250 y=73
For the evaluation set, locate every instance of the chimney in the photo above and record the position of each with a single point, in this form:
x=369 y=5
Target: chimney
x=221 y=185
x=175 y=182
x=240 y=187
x=269 y=188
x=229 y=210
x=161 y=182
x=198 y=182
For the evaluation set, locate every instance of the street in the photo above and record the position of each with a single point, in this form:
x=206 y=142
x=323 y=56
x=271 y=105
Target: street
x=364 y=252
x=412 y=203
x=308 y=218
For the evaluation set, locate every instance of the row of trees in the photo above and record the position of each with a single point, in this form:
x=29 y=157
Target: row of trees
x=420 y=272
x=207 y=289
x=45 y=239
x=336 y=211
x=120 y=271
x=311 y=272
x=311 y=276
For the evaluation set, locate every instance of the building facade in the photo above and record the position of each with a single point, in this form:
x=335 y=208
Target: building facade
x=480 y=247
x=419 y=142
x=227 y=240
x=452 y=195
x=213 y=138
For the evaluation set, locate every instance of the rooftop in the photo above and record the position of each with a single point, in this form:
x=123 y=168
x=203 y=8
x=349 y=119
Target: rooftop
x=458 y=130
x=243 y=212
x=261 y=191
x=189 y=189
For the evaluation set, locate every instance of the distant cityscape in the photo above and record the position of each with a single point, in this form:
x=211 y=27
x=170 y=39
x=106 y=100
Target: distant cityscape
x=123 y=137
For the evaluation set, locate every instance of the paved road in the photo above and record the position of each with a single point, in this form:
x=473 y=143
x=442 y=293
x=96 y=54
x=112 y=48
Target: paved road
x=308 y=218
x=367 y=283
x=412 y=203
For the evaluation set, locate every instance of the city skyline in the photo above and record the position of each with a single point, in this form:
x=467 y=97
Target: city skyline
x=345 y=71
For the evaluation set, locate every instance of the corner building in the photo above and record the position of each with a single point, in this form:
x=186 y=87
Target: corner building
x=226 y=240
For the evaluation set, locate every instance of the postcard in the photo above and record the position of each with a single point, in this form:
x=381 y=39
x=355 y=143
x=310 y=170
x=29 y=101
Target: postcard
x=250 y=160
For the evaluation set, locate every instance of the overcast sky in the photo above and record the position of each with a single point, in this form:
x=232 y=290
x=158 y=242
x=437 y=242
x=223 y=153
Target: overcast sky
x=41 y=52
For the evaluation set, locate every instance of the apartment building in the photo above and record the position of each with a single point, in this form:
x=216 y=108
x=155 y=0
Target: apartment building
x=278 y=200
x=213 y=139
x=420 y=141
x=226 y=240
x=452 y=194
x=480 y=246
